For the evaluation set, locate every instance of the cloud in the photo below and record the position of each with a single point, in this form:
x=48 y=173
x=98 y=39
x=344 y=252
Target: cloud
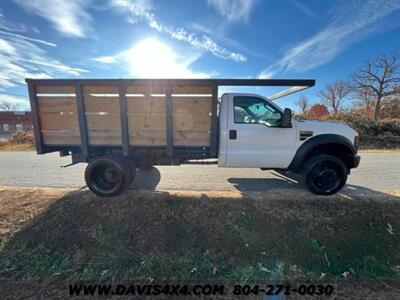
x=150 y=58
x=27 y=38
x=15 y=27
x=142 y=10
x=22 y=102
x=303 y=8
x=23 y=57
x=66 y=16
x=351 y=23
x=20 y=58
x=233 y=10
x=106 y=59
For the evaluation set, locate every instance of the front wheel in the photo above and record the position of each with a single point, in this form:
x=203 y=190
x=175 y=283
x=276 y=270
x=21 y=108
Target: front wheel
x=325 y=174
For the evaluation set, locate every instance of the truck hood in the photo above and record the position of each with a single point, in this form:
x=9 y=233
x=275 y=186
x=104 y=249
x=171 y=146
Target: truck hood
x=319 y=127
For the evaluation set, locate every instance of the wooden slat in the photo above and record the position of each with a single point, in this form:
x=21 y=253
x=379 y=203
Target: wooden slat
x=193 y=104
x=61 y=137
x=191 y=138
x=176 y=89
x=145 y=89
x=55 y=89
x=191 y=89
x=108 y=137
x=56 y=104
x=101 y=104
x=151 y=122
x=103 y=122
x=145 y=104
x=185 y=120
x=138 y=137
x=100 y=89
x=59 y=122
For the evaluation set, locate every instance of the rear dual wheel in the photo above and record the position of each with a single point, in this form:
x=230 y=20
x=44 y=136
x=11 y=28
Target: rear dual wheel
x=109 y=177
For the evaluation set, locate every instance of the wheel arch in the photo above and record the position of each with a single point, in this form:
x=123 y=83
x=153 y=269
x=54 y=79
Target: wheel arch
x=333 y=144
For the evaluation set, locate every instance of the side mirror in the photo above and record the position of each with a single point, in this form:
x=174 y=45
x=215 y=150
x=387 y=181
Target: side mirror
x=287 y=118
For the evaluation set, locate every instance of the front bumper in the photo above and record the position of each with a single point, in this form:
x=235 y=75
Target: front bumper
x=355 y=161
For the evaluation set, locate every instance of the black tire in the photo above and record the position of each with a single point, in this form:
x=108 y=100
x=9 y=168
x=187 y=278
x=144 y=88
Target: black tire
x=108 y=177
x=325 y=174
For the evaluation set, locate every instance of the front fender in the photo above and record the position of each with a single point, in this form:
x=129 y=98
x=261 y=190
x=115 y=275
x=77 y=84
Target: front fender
x=308 y=146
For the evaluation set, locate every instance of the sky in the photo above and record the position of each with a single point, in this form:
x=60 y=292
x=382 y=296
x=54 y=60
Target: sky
x=314 y=39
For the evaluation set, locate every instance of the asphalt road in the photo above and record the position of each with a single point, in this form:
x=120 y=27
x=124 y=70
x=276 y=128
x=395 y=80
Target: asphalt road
x=377 y=171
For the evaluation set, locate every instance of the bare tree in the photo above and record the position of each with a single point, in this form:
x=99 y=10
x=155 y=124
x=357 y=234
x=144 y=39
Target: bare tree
x=334 y=94
x=303 y=104
x=365 y=99
x=8 y=106
x=381 y=76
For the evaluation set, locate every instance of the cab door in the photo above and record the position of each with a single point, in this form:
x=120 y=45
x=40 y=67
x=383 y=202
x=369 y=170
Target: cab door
x=255 y=137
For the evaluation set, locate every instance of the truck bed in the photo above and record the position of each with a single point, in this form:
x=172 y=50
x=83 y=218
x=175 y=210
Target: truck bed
x=107 y=113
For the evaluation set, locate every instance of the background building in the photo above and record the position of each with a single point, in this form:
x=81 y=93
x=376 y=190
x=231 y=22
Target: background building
x=13 y=121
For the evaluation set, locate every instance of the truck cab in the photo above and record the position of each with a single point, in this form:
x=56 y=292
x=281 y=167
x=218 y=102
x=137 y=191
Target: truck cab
x=256 y=132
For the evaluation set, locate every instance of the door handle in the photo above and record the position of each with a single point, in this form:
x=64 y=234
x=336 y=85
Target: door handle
x=232 y=134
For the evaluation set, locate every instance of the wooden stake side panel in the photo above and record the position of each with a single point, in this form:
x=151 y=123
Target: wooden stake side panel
x=185 y=120
x=53 y=89
x=101 y=104
x=191 y=138
x=53 y=122
x=110 y=121
x=146 y=114
x=159 y=88
x=191 y=89
x=67 y=137
x=146 y=137
x=56 y=105
x=145 y=105
x=106 y=137
x=191 y=120
x=156 y=88
x=102 y=111
x=58 y=115
x=146 y=119
x=192 y=104
x=100 y=90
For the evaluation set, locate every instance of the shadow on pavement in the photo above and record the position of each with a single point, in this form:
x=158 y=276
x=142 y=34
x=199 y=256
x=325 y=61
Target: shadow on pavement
x=146 y=179
x=284 y=180
x=149 y=180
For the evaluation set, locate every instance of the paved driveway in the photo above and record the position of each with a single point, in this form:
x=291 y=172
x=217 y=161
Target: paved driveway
x=377 y=171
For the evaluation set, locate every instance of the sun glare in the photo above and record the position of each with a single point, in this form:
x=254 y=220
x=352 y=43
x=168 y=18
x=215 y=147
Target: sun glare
x=151 y=58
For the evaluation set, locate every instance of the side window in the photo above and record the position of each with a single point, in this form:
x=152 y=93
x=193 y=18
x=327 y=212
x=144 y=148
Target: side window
x=253 y=110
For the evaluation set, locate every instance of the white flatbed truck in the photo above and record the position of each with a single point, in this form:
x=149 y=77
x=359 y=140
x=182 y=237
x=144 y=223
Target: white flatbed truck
x=119 y=125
